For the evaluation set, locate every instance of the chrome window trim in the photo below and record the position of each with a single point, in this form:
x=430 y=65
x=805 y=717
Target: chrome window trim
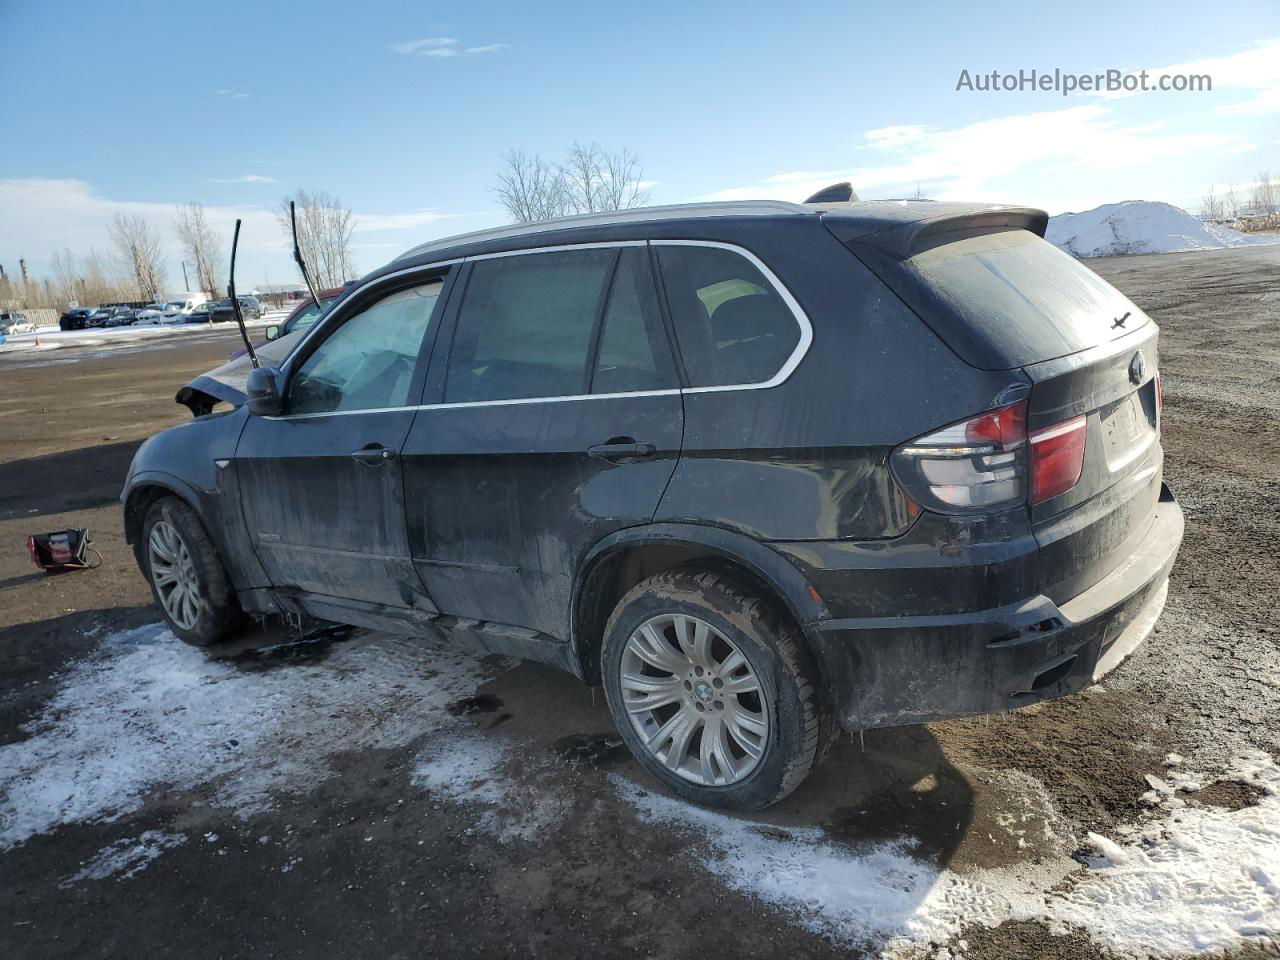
x=783 y=374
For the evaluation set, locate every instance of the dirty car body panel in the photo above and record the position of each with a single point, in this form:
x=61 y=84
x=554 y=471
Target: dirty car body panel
x=514 y=517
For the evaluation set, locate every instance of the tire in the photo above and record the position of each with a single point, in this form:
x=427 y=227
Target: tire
x=738 y=768
x=172 y=530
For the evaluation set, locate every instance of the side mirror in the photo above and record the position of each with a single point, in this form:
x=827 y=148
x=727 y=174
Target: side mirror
x=262 y=392
x=273 y=332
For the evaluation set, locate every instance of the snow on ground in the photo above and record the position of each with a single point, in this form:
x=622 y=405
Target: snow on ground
x=470 y=769
x=51 y=338
x=150 y=714
x=1141 y=226
x=1189 y=880
x=154 y=713
x=125 y=858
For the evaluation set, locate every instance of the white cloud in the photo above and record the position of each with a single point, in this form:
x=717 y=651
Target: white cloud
x=444 y=47
x=232 y=94
x=370 y=222
x=247 y=178
x=976 y=161
x=39 y=216
x=420 y=46
x=1256 y=70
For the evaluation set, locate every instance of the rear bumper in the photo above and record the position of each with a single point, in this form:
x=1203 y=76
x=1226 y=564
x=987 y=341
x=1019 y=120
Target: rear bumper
x=891 y=671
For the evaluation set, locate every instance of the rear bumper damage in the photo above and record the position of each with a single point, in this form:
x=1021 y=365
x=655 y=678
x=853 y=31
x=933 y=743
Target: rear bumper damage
x=892 y=671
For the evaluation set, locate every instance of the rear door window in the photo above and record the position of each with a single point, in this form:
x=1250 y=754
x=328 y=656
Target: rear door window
x=1009 y=299
x=731 y=325
x=526 y=324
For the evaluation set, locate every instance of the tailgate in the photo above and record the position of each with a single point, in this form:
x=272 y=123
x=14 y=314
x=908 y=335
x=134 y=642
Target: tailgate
x=1086 y=532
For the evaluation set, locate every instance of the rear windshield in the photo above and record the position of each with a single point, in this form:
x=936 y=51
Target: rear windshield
x=1009 y=299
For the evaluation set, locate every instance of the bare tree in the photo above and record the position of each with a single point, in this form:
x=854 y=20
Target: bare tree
x=1266 y=197
x=200 y=243
x=596 y=181
x=1211 y=206
x=324 y=235
x=530 y=188
x=139 y=248
x=589 y=180
x=1231 y=204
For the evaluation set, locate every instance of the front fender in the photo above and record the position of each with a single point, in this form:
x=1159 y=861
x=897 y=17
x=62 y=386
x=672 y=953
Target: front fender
x=195 y=462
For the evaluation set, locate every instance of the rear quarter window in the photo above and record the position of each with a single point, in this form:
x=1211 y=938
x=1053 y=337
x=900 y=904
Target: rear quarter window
x=1009 y=299
x=731 y=325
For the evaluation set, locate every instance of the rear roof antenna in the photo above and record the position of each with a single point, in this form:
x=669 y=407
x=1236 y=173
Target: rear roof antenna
x=836 y=193
x=297 y=256
x=235 y=301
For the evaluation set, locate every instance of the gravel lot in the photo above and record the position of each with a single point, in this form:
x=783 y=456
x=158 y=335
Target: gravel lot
x=359 y=795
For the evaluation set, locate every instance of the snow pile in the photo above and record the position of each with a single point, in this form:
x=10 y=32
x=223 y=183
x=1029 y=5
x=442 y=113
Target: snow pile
x=127 y=857
x=1141 y=226
x=157 y=713
x=1191 y=880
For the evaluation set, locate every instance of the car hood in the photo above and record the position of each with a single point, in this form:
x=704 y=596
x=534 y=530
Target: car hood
x=227 y=382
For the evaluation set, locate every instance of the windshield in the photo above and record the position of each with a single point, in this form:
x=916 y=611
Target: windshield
x=308 y=315
x=175 y=305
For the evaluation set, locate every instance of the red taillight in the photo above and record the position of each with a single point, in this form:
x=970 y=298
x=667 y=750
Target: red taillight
x=1006 y=427
x=972 y=466
x=1057 y=459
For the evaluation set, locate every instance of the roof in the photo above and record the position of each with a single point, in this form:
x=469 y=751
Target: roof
x=896 y=223
x=678 y=211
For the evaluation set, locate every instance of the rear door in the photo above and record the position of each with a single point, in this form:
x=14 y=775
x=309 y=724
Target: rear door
x=322 y=486
x=557 y=420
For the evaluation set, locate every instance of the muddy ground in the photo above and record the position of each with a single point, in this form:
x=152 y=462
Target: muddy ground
x=373 y=860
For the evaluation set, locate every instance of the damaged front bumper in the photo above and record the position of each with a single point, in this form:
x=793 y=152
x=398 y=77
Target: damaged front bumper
x=892 y=671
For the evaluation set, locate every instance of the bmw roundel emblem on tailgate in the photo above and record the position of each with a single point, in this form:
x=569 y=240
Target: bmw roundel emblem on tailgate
x=1137 y=367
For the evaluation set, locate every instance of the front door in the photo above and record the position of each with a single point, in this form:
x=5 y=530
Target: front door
x=557 y=422
x=322 y=486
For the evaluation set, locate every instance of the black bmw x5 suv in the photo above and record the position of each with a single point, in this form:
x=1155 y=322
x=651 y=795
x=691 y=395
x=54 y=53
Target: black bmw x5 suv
x=762 y=470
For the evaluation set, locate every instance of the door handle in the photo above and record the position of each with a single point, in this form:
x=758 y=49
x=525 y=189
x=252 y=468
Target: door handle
x=373 y=455
x=622 y=450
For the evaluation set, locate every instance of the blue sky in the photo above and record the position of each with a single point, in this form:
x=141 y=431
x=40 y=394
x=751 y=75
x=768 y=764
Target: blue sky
x=138 y=106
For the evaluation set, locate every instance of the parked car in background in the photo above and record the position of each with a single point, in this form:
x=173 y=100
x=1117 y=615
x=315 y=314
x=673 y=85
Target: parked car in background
x=303 y=316
x=199 y=313
x=221 y=311
x=77 y=318
x=180 y=309
x=150 y=314
x=764 y=471
x=114 y=317
x=12 y=324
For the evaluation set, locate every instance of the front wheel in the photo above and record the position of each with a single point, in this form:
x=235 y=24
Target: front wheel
x=712 y=691
x=187 y=576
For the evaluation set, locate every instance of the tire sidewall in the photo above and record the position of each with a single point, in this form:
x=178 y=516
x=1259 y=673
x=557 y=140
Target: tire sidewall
x=781 y=699
x=208 y=628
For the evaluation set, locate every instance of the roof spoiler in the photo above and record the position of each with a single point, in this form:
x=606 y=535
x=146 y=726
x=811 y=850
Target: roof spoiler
x=907 y=239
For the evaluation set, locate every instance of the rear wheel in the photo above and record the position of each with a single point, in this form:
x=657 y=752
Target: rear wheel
x=187 y=577
x=713 y=691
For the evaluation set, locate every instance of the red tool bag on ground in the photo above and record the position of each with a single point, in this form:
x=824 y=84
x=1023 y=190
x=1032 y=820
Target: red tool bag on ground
x=63 y=550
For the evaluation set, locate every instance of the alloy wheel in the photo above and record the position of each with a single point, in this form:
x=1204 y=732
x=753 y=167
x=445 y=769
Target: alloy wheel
x=174 y=575
x=694 y=699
